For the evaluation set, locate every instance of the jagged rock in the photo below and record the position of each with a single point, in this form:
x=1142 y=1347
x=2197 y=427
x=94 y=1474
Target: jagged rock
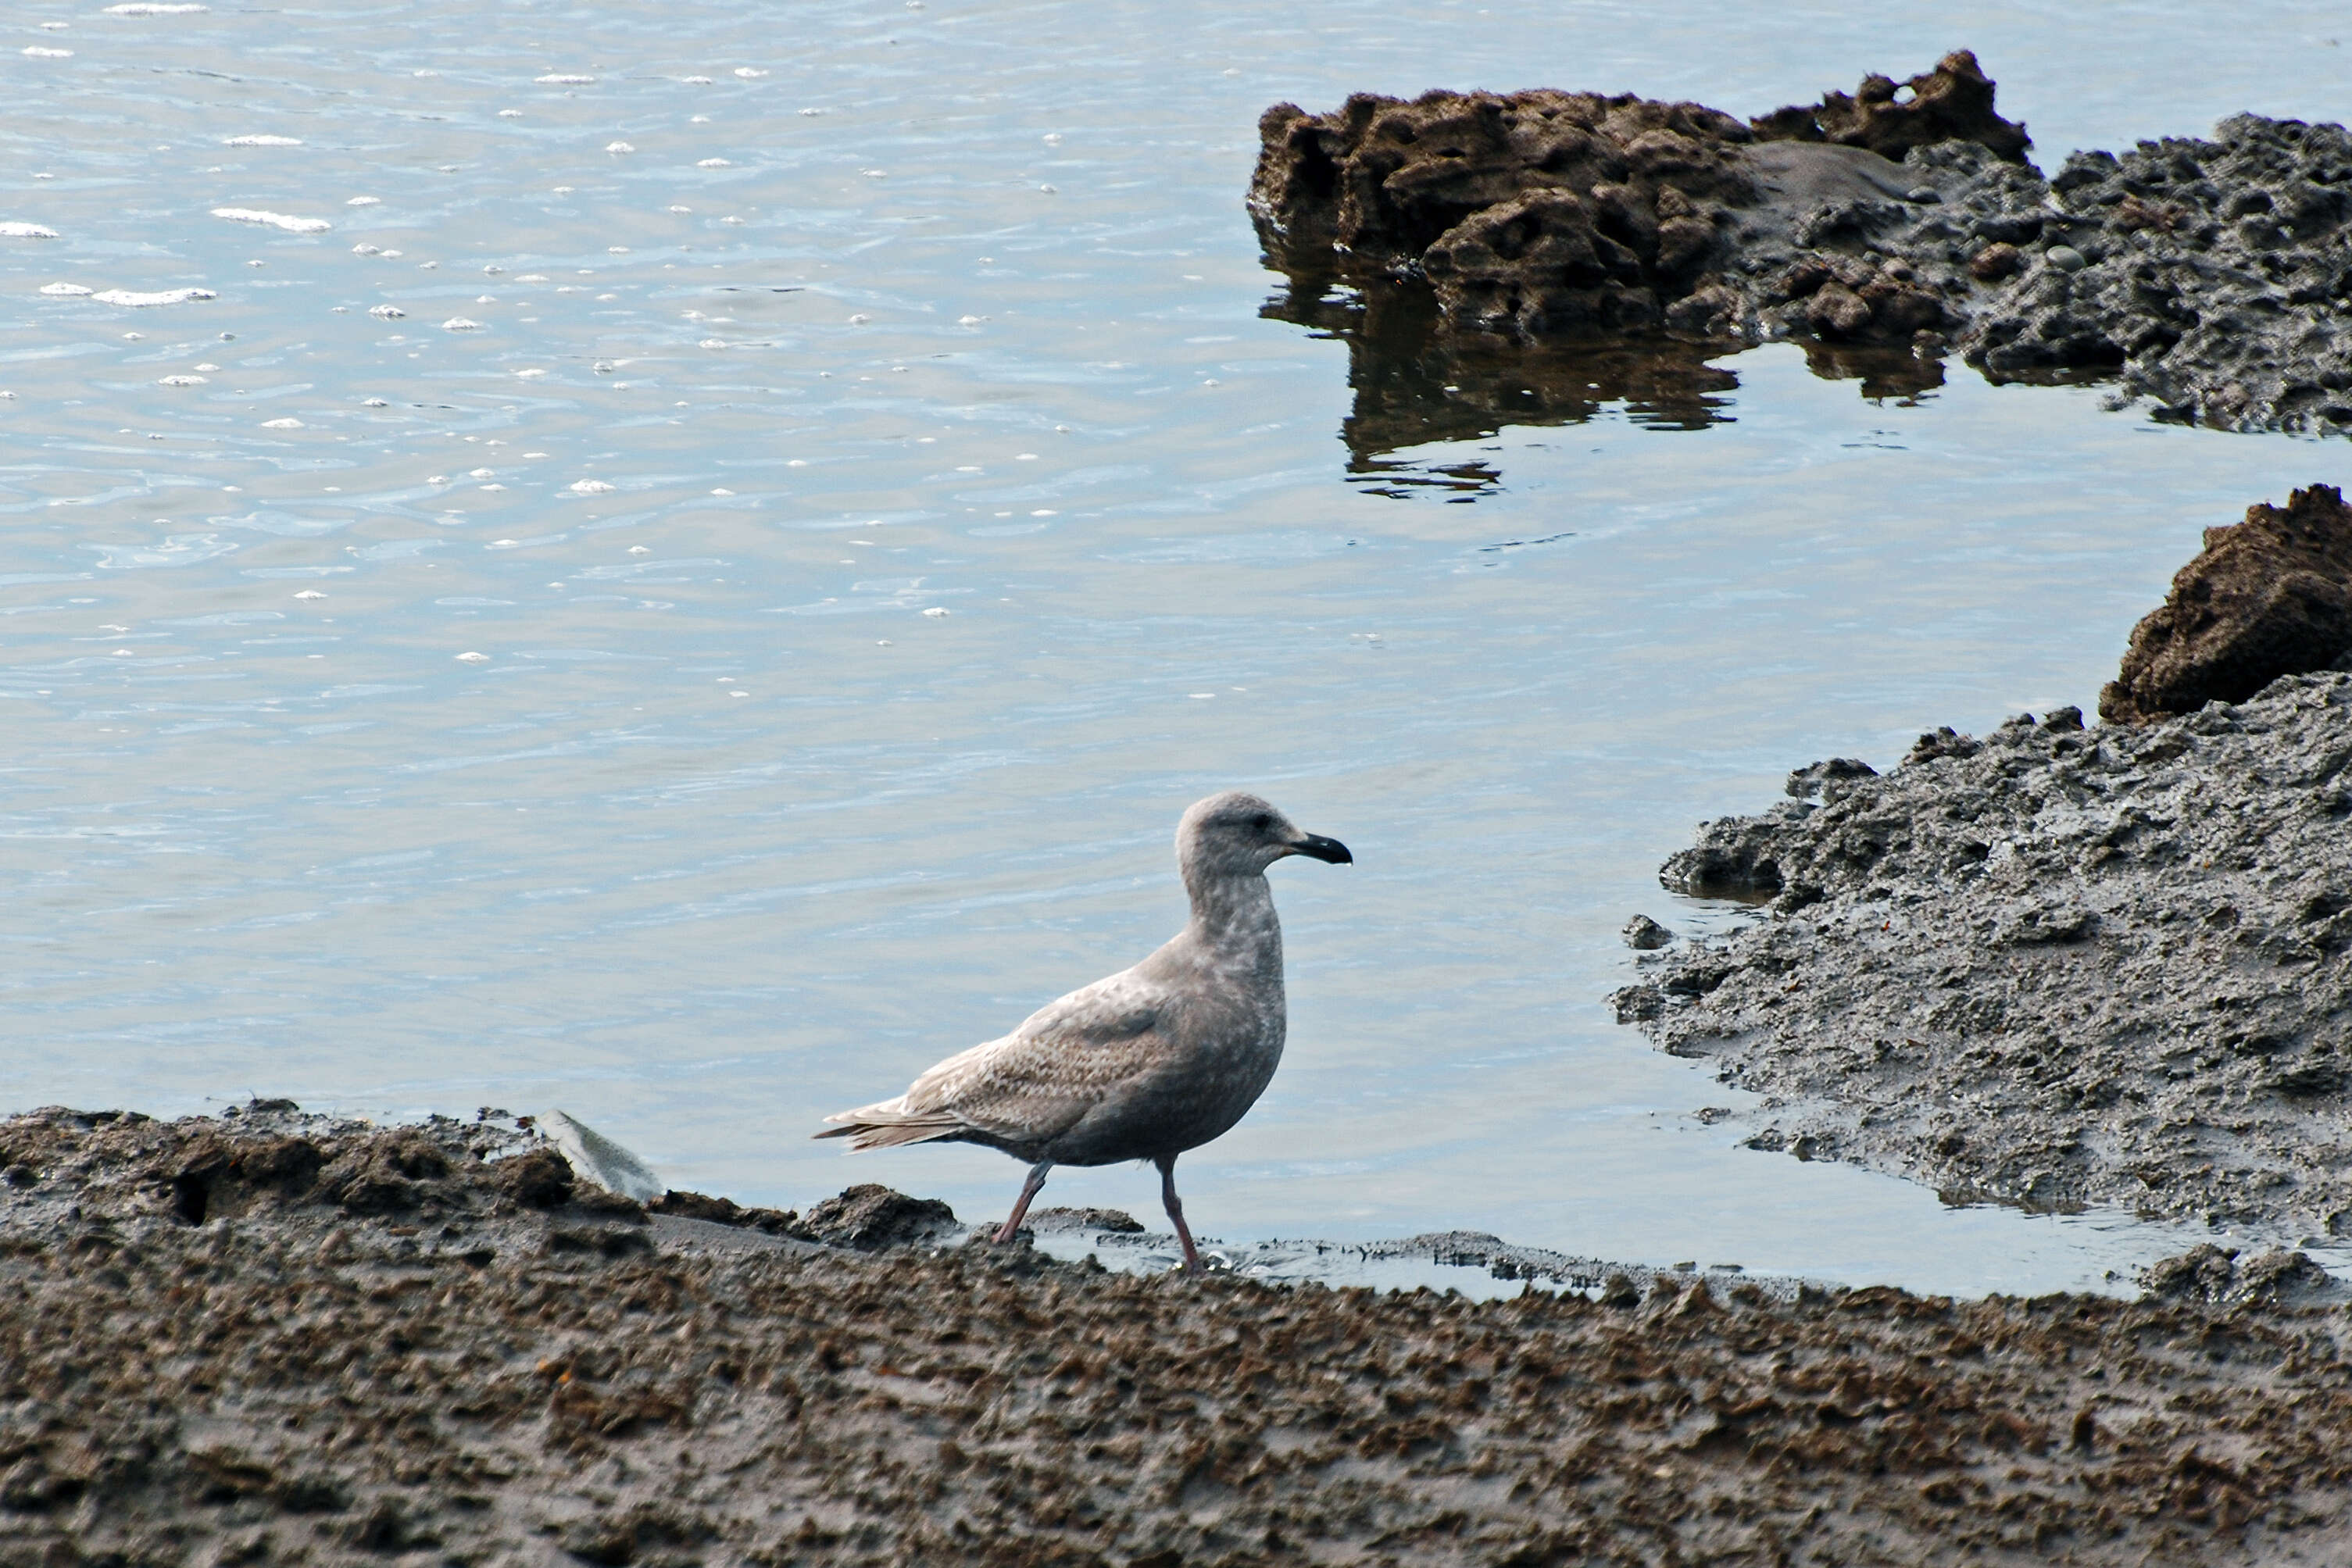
x=2268 y=597
x=1951 y=103
x=2213 y=277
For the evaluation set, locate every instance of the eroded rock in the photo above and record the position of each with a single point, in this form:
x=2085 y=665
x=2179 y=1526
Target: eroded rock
x=1951 y=103
x=2211 y=276
x=2268 y=597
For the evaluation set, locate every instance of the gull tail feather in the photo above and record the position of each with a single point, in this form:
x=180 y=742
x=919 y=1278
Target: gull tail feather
x=889 y=1124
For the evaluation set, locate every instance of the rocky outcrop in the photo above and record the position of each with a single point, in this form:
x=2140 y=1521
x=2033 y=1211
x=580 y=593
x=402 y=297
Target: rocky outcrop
x=2050 y=966
x=1534 y=213
x=1951 y=103
x=1540 y=214
x=2212 y=278
x=2268 y=597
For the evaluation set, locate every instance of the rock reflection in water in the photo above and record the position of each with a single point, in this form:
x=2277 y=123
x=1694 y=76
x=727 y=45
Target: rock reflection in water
x=1416 y=384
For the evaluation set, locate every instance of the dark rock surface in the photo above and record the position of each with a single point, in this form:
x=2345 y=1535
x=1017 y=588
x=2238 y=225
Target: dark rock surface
x=1645 y=934
x=2052 y=966
x=303 y=1381
x=2221 y=1274
x=2268 y=597
x=2213 y=277
x=870 y=1217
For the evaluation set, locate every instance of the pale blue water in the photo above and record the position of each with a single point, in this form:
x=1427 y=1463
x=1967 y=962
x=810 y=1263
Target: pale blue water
x=257 y=843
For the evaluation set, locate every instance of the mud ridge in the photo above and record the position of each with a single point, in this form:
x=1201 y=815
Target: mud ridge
x=421 y=1344
x=2051 y=966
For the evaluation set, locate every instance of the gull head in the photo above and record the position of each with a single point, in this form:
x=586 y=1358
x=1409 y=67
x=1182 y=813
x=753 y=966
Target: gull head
x=1238 y=834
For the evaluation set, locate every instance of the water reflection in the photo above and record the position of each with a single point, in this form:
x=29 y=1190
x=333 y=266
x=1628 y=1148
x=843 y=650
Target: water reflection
x=1416 y=384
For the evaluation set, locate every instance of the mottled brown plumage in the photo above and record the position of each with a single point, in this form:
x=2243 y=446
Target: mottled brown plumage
x=1144 y=1064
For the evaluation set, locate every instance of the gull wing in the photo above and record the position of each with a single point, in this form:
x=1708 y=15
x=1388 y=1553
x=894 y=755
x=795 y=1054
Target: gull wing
x=1065 y=1059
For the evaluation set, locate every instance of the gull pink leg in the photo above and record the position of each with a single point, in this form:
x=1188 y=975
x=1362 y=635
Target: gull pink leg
x=1176 y=1213
x=1011 y=1227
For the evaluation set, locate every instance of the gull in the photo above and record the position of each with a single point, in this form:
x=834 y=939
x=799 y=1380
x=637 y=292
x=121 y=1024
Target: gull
x=1146 y=1063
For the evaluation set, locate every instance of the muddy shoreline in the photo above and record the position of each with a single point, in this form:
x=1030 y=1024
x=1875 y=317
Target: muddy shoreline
x=2056 y=966
x=270 y=1338
x=2050 y=966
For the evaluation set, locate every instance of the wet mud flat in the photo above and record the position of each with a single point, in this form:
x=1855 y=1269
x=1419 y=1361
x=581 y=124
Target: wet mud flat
x=2056 y=965
x=274 y=1338
x=2051 y=966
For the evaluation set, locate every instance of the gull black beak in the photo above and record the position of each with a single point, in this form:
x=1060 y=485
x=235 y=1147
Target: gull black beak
x=1323 y=849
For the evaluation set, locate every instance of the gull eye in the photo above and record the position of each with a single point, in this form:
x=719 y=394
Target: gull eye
x=1261 y=822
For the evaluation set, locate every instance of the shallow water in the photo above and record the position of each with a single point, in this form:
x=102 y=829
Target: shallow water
x=703 y=393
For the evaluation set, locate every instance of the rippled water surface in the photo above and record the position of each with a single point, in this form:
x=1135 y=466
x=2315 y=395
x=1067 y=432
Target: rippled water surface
x=682 y=561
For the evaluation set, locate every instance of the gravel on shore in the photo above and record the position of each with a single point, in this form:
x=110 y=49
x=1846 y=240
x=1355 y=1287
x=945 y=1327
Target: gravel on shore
x=2051 y=966
x=270 y=1338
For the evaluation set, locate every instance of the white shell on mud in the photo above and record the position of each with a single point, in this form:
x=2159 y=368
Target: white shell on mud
x=597 y=1158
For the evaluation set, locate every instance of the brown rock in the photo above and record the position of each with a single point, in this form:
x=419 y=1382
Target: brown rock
x=870 y=1216
x=1995 y=262
x=1951 y=103
x=540 y=1179
x=2269 y=597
